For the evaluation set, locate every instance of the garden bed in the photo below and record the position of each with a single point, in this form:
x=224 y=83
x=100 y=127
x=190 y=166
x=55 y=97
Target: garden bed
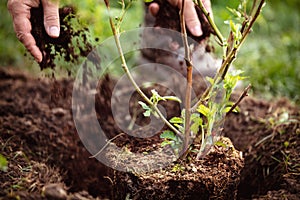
x=40 y=142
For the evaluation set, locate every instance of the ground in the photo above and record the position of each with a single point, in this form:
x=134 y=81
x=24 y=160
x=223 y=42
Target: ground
x=40 y=142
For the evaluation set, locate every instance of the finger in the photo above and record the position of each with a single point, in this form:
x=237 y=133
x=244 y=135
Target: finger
x=21 y=14
x=154 y=8
x=51 y=17
x=191 y=18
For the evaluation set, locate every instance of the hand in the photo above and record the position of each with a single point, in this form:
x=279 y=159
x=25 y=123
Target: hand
x=190 y=14
x=20 y=12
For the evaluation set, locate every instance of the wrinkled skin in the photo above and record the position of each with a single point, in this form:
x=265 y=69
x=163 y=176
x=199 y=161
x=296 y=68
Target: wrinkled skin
x=20 y=12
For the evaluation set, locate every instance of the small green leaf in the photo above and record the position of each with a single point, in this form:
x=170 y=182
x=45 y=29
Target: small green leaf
x=144 y=106
x=196 y=125
x=180 y=128
x=3 y=163
x=165 y=143
x=220 y=144
x=147 y=113
x=195 y=116
x=176 y=120
x=168 y=135
x=148 y=1
x=203 y=110
x=172 y=98
x=210 y=80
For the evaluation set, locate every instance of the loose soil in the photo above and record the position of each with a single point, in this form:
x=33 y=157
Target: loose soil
x=39 y=140
x=73 y=43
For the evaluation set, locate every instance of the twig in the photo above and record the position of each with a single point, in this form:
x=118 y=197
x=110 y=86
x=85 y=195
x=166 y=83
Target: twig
x=188 y=91
x=243 y=95
x=211 y=22
x=108 y=142
x=229 y=58
x=126 y=69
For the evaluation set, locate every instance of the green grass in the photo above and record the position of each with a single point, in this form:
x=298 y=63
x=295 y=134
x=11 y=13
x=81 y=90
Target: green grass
x=270 y=57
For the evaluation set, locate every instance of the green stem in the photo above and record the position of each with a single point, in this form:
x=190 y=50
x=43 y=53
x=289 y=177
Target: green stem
x=211 y=22
x=126 y=69
x=229 y=58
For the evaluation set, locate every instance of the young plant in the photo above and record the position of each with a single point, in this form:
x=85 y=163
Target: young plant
x=204 y=119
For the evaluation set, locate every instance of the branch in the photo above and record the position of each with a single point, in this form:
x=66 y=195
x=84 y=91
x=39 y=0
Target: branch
x=243 y=95
x=211 y=22
x=188 y=92
x=126 y=69
x=229 y=57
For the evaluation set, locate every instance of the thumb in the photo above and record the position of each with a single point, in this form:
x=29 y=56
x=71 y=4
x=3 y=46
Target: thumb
x=51 y=17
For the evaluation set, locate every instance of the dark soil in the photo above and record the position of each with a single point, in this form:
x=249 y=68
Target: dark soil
x=73 y=42
x=168 y=17
x=268 y=134
x=215 y=177
x=39 y=140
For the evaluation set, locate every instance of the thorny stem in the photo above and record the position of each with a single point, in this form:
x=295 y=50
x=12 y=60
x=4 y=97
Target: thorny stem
x=188 y=91
x=230 y=57
x=126 y=69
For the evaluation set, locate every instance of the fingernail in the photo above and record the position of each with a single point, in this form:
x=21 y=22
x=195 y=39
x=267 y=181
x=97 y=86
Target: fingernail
x=54 y=31
x=196 y=31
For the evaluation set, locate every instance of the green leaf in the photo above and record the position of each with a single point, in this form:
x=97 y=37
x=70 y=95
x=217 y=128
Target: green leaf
x=197 y=123
x=234 y=12
x=176 y=120
x=210 y=80
x=147 y=113
x=195 y=116
x=220 y=144
x=168 y=135
x=148 y=1
x=172 y=98
x=165 y=143
x=180 y=128
x=144 y=106
x=203 y=110
x=3 y=163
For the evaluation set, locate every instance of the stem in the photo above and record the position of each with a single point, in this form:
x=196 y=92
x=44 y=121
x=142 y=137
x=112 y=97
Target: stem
x=229 y=58
x=211 y=22
x=188 y=92
x=126 y=69
x=243 y=95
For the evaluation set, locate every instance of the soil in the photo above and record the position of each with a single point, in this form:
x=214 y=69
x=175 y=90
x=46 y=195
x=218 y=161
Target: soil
x=39 y=140
x=74 y=40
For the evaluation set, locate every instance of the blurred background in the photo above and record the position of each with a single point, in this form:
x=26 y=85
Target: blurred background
x=270 y=57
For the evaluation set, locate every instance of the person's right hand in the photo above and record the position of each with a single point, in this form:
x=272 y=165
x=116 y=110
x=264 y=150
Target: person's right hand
x=20 y=12
x=190 y=14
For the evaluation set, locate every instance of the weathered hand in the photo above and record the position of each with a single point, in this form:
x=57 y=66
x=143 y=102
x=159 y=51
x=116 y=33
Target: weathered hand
x=20 y=12
x=191 y=18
